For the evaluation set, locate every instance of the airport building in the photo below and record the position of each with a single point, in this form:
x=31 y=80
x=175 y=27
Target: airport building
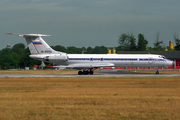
x=173 y=55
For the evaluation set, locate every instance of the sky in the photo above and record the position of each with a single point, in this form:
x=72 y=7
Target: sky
x=89 y=22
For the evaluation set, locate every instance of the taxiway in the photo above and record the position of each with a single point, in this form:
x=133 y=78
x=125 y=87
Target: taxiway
x=104 y=73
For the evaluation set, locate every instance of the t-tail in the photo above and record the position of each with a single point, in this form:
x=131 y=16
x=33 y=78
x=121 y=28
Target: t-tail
x=36 y=44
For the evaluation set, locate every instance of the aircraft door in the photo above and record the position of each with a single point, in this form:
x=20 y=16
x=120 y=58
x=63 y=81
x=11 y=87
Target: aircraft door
x=151 y=60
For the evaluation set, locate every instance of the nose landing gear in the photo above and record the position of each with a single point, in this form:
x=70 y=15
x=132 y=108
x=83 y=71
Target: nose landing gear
x=157 y=72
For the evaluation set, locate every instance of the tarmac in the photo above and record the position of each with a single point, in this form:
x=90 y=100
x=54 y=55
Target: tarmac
x=103 y=73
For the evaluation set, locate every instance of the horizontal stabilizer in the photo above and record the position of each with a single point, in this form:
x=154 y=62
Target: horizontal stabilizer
x=27 y=35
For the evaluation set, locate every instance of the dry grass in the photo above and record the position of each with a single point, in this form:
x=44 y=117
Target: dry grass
x=90 y=98
x=41 y=72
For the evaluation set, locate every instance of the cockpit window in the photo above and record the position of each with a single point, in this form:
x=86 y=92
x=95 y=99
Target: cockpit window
x=162 y=57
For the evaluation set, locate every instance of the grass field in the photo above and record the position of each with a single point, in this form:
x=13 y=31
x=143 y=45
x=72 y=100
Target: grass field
x=90 y=98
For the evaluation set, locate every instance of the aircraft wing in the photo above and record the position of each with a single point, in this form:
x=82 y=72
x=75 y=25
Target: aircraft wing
x=84 y=66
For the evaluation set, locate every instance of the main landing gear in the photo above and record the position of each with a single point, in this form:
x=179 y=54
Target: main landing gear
x=86 y=72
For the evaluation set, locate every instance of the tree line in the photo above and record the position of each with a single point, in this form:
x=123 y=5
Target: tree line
x=18 y=56
x=128 y=42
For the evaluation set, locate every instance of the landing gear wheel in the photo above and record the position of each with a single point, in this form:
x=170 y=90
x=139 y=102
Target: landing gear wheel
x=85 y=72
x=80 y=73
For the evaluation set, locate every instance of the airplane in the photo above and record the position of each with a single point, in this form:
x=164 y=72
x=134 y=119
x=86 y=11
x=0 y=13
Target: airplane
x=87 y=63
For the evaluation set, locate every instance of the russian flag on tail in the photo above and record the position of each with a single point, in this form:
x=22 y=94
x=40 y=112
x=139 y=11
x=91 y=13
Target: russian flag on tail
x=36 y=42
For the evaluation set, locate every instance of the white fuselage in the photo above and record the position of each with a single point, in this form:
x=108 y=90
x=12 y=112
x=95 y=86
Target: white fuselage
x=117 y=60
x=121 y=60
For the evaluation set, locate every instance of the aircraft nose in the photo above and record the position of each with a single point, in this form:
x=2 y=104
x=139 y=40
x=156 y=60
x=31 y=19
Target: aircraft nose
x=170 y=63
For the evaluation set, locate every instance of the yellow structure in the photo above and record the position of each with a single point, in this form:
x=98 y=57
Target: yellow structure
x=171 y=45
x=111 y=51
x=114 y=51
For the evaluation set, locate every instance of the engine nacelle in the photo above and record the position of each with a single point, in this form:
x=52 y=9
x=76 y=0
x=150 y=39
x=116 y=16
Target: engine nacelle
x=56 y=58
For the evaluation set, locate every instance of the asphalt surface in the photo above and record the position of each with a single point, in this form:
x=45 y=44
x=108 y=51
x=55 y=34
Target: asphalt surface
x=103 y=73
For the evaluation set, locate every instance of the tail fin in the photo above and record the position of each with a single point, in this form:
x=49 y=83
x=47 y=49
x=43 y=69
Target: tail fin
x=36 y=44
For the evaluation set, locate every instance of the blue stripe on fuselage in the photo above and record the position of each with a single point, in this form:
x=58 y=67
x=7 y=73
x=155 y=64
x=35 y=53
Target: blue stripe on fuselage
x=117 y=59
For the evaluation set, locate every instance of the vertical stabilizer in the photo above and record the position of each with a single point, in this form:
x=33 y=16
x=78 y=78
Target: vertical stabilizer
x=36 y=44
